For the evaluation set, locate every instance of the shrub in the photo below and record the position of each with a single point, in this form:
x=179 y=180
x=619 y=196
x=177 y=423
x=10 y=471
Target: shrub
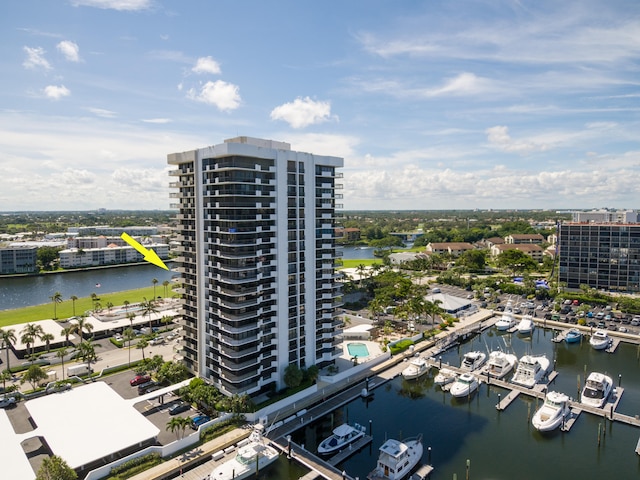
x=134 y=466
x=400 y=346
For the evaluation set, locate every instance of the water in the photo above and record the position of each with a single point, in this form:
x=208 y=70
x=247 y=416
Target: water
x=500 y=445
x=357 y=253
x=26 y=291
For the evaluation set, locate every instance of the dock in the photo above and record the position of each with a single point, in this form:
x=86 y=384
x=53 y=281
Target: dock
x=350 y=450
x=613 y=345
x=422 y=473
x=568 y=423
x=506 y=401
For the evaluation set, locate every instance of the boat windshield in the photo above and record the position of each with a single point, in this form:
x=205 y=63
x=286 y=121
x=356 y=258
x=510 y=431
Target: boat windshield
x=246 y=459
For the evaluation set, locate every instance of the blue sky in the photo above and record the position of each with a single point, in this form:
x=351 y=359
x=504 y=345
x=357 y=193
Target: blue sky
x=432 y=104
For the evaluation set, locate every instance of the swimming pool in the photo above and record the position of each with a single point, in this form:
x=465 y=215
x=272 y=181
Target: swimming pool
x=359 y=350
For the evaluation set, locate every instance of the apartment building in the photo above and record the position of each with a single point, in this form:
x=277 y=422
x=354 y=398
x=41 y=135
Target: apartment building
x=111 y=254
x=601 y=255
x=257 y=255
x=18 y=259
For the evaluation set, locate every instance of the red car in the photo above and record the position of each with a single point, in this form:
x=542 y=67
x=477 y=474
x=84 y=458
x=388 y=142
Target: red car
x=139 y=379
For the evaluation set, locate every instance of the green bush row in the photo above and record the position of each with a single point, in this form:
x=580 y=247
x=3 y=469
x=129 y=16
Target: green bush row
x=400 y=346
x=135 y=465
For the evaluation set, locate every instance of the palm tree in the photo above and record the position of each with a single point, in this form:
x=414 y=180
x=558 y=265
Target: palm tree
x=56 y=298
x=8 y=338
x=166 y=284
x=148 y=307
x=60 y=354
x=67 y=331
x=142 y=344
x=361 y=269
x=46 y=338
x=126 y=304
x=82 y=324
x=109 y=307
x=178 y=424
x=73 y=303
x=87 y=351
x=4 y=376
x=30 y=333
x=155 y=282
x=129 y=335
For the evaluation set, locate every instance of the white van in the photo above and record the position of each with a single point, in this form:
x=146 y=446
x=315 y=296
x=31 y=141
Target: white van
x=77 y=370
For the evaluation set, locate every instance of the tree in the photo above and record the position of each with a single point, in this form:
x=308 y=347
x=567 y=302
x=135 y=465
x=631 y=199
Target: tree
x=61 y=354
x=172 y=372
x=474 y=260
x=141 y=345
x=82 y=324
x=55 y=468
x=126 y=304
x=166 y=284
x=87 y=352
x=292 y=376
x=46 y=338
x=56 y=298
x=155 y=282
x=178 y=425
x=109 y=307
x=148 y=307
x=8 y=338
x=47 y=256
x=4 y=376
x=73 y=299
x=34 y=374
x=129 y=335
x=67 y=332
x=515 y=261
x=30 y=333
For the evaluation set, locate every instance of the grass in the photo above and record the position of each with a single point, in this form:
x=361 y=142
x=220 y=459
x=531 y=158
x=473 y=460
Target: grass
x=367 y=262
x=65 y=308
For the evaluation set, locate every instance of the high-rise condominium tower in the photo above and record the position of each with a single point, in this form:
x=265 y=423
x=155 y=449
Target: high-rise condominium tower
x=256 y=224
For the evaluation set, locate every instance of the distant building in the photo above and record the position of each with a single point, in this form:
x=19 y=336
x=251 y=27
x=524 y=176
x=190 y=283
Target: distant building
x=603 y=256
x=520 y=238
x=408 y=237
x=18 y=259
x=536 y=252
x=399 y=258
x=111 y=254
x=452 y=248
x=606 y=216
x=348 y=235
x=490 y=242
x=105 y=230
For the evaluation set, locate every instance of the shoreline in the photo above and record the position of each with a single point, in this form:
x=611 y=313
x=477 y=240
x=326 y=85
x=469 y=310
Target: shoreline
x=83 y=269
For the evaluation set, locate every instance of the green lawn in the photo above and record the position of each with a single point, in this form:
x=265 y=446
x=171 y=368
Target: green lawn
x=366 y=262
x=65 y=309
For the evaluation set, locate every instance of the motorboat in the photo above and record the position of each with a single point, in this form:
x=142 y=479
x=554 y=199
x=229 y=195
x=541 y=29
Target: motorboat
x=417 y=367
x=464 y=385
x=445 y=376
x=526 y=325
x=531 y=369
x=596 y=390
x=552 y=413
x=507 y=321
x=397 y=458
x=341 y=436
x=473 y=360
x=600 y=340
x=573 y=336
x=500 y=363
x=251 y=458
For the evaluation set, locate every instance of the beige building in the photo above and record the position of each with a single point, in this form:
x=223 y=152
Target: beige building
x=520 y=238
x=452 y=248
x=534 y=251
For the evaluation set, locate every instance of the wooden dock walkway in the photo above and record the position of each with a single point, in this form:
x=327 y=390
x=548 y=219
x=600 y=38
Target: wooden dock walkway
x=422 y=472
x=506 y=401
x=568 y=423
x=350 y=450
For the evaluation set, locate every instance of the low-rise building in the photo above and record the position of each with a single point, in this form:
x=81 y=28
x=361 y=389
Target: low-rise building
x=452 y=248
x=110 y=255
x=18 y=259
x=536 y=252
x=521 y=238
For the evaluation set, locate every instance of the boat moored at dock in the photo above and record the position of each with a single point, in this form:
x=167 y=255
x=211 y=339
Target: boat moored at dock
x=526 y=325
x=600 y=340
x=473 y=360
x=464 y=385
x=342 y=436
x=500 y=364
x=552 y=413
x=397 y=458
x=531 y=369
x=596 y=390
x=573 y=336
x=417 y=367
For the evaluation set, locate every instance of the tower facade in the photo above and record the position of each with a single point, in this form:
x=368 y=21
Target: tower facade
x=256 y=224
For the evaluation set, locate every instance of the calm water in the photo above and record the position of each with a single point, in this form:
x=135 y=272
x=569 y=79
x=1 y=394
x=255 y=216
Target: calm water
x=500 y=445
x=26 y=291
x=357 y=253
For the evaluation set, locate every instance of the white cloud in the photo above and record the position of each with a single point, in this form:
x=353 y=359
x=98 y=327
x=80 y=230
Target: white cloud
x=224 y=96
x=322 y=144
x=463 y=84
x=156 y=120
x=499 y=137
x=35 y=58
x=56 y=92
x=101 y=112
x=70 y=50
x=207 y=65
x=130 y=5
x=302 y=112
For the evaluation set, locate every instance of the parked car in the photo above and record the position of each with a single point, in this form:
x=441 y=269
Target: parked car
x=148 y=387
x=139 y=380
x=179 y=408
x=635 y=322
x=199 y=420
x=59 y=387
x=7 y=402
x=157 y=340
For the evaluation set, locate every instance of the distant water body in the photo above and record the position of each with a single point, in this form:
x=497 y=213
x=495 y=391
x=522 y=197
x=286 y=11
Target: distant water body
x=20 y=292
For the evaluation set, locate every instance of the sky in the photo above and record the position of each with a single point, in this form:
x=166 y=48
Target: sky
x=487 y=104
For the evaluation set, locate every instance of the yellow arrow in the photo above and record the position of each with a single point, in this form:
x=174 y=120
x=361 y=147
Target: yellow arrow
x=149 y=255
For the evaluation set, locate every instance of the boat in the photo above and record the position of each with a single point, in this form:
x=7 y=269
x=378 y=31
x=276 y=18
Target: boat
x=250 y=459
x=596 y=390
x=444 y=377
x=526 y=325
x=573 y=336
x=552 y=413
x=531 y=369
x=472 y=361
x=600 y=340
x=500 y=364
x=342 y=436
x=507 y=321
x=464 y=385
x=417 y=367
x=397 y=458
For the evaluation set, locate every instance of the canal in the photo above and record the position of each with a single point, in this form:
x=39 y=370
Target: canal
x=17 y=292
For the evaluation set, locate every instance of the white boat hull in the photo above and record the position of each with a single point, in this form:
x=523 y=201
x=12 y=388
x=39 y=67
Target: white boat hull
x=397 y=468
x=464 y=386
x=597 y=390
x=552 y=413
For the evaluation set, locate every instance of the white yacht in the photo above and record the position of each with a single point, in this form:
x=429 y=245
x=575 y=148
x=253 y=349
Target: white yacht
x=600 y=340
x=500 y=363
x=251 y=458
x=417 y=367
x=552 y=413
x=397 y=458
x=526 y=325
x=445 y=376
x=507 y=321
x=342 y=436
x=531 y=369
x=473 y=360
x=596 y=390
x=464 y=385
